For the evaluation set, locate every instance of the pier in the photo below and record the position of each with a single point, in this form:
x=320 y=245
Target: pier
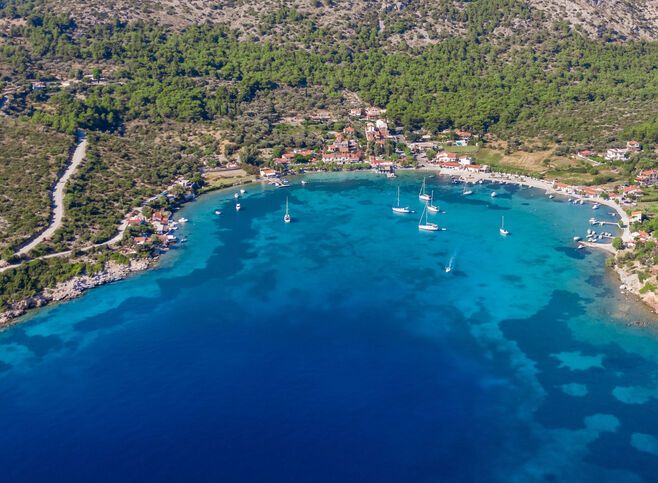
x=594 y=221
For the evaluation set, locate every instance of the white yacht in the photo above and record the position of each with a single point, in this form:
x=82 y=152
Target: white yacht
x=502 y=229
x=400 y=209
x=243 y=191
x=183 y=220
x=467 y=192
x=304 y=182
x=218 y=212
x=426 y=226
x=595 y=206
x=236 y=195
x=237 y=207
x=422 y=194
x=286 y=217
x=430 y=205
x=493 y=194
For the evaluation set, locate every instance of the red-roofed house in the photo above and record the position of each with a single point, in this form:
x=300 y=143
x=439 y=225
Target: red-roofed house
x=636 y=217
x=445 y=156
x=341 y=158
x=586 y=153
x=648 y=177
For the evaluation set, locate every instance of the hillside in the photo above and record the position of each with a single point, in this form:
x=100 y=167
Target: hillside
x=415 y=21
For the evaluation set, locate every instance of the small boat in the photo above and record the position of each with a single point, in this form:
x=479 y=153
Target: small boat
x=422 y=194
x=595 y=206
x=569 y=200
x=467 y=192
x=400 y=209
x=426 y=226
x=448 y=267
x=237 y=207
x=286 y=217
x=183 y=220
x=550 y=197
x=243 y=191
x=580 y=202
x=502 y=229
x=430 y=206
x=576 y=238
x=218 y=212
x=493 y=194
x=236 y=195
x=390 y=174
x=304 y=182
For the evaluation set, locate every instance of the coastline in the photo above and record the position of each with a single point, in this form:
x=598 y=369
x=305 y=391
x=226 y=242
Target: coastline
x=112 y=272
x=629 y=283
x=73 y=288
x=77 y=286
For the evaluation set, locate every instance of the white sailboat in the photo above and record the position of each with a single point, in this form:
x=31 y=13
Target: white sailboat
x=466 y=192
x=426 y=226
x=502 y=229
x=400 y=209
x=430 y=204
x=286 y=217
x=422 y=195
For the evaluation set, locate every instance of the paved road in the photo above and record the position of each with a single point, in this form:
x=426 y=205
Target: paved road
x=58 y=197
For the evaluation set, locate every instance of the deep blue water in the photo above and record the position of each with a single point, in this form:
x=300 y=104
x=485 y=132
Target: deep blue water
x=336 y=348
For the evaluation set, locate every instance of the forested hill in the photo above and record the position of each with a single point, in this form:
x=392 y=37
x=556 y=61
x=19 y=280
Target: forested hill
x=558 y=83
x=403 y=22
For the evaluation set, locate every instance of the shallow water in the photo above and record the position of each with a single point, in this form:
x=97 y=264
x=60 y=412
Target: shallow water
x=336 y=348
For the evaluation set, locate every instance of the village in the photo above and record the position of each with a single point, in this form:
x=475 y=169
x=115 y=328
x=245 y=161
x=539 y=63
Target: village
x=382 y=148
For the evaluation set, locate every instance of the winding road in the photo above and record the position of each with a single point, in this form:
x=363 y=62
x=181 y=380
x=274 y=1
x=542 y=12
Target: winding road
x=58 y=196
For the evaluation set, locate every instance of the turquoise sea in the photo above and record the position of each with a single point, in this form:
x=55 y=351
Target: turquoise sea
x=337 y=348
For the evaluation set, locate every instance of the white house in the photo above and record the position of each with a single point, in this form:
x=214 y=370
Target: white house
x=616 y=154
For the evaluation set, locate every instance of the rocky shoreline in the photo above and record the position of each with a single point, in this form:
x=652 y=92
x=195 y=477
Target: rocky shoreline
x=73 y=288
x=630 y=282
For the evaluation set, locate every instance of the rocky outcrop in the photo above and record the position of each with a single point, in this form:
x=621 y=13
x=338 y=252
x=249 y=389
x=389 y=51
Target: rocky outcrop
x=630 y=282
x=73 y=288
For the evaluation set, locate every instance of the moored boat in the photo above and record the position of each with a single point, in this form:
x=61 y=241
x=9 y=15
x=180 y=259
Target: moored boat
x=430 y=205
x=400 y=209
x=422 y=195
x=427 y=226
x=502 y=229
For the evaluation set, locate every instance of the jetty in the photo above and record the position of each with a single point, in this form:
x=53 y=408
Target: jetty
x=594 y=221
